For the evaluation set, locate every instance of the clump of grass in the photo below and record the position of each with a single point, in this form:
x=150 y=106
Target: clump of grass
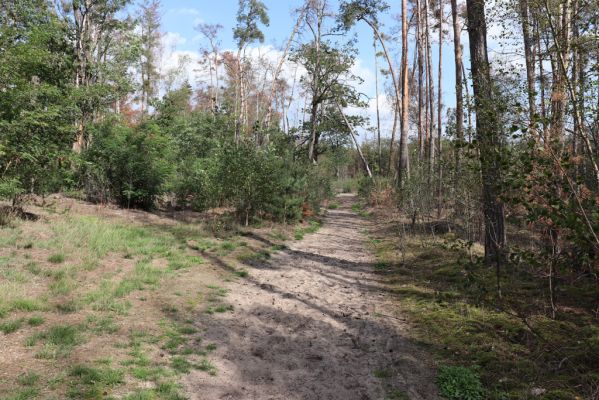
x=35 y=320
x=56 y=258
x=459 y=383
x=206 y=366
x=58 y=340
x=11 y=326
x=89 y=382
x=219 y=309
x=241 y=273
x=333 y=206
x=210 y=347
x=312 y=227
x=28 y=379
x=103 y=325
x=33 y=268
x=382 y=373
x=181 y=365
x=25 y=305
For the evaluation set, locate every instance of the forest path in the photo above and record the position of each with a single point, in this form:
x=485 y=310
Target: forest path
x=314 y=322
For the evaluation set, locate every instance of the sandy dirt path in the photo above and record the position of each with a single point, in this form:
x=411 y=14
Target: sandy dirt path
x=314 y=322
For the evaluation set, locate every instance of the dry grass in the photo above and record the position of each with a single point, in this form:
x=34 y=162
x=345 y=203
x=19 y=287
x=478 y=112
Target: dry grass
x=98 y=302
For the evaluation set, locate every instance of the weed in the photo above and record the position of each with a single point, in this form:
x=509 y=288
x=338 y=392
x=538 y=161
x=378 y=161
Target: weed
x=333 y=206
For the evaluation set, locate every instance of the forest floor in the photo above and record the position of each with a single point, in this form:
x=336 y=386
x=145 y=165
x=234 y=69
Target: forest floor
x=105 y=303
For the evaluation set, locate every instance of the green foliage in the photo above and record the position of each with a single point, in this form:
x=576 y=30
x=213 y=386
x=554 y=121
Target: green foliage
x=128 y=165
x=36 y=109
x=459 y=383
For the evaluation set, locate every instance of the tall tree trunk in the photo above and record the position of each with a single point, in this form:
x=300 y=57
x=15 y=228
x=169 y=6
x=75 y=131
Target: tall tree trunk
x=529 y=60
x=378 y=114
x=439 y=110
x=430 y=94
x=459 y=97
x=403 y=167
x=300 y=18
x=421 y=104
x=488 y=135
x=395 y=88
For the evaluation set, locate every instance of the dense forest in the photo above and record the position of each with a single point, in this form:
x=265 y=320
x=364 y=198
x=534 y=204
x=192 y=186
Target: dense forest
x=490 y=190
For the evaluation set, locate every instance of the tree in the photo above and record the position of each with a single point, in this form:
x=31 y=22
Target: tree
x=150 y=47
x=368 y=11
x=327 y=82
x=403 y=167
x=488 y=134
x=210 y=32
x=37 y=109
x=247 y=31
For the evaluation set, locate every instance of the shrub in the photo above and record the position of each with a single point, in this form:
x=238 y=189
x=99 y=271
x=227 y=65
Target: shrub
x=128 y=165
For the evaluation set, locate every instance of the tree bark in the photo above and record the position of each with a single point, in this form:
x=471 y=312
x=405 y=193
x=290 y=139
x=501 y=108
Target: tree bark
x=403 y=167
x=487 y=131
x=459 y=97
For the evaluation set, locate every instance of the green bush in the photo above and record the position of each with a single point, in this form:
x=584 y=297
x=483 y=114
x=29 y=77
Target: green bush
x=127 y=165
x=459 y=383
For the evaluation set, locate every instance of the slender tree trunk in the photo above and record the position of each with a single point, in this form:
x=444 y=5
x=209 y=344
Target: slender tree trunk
x=421 y=104
x=403 y=167
x=529 y=60
x=281 y=62
x=439 y=111
x=488 y=135
x=378 y=114
x=430 y=94
x=353 y=135
x=459 y=97
x=395 y=87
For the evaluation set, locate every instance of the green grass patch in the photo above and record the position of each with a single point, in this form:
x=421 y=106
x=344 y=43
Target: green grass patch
x=8 y=327
x=88 y=382
x=451 y=301
x=35 y=320
x=57 y=258
x=28 y=379
x=459 y=383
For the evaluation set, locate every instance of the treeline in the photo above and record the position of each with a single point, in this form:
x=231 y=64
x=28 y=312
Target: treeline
x=86 y=109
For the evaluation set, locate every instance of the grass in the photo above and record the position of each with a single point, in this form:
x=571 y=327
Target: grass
x=35 y=320
x=312 y=227
x=28 y=379
x=8 y=327
x=91 y=273
x=452 y=304
x=89 y=382
x=57 y=258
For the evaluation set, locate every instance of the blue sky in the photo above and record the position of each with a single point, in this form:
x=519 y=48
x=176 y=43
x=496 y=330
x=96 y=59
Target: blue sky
x=179 y=17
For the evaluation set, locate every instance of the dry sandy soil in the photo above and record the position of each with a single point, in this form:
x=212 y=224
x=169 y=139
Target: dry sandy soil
x=313 y=322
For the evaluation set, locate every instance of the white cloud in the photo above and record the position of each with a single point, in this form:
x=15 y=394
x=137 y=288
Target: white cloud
x=184 y=10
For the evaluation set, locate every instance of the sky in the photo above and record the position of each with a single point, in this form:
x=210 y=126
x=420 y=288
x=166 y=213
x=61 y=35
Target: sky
x=180 y=17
